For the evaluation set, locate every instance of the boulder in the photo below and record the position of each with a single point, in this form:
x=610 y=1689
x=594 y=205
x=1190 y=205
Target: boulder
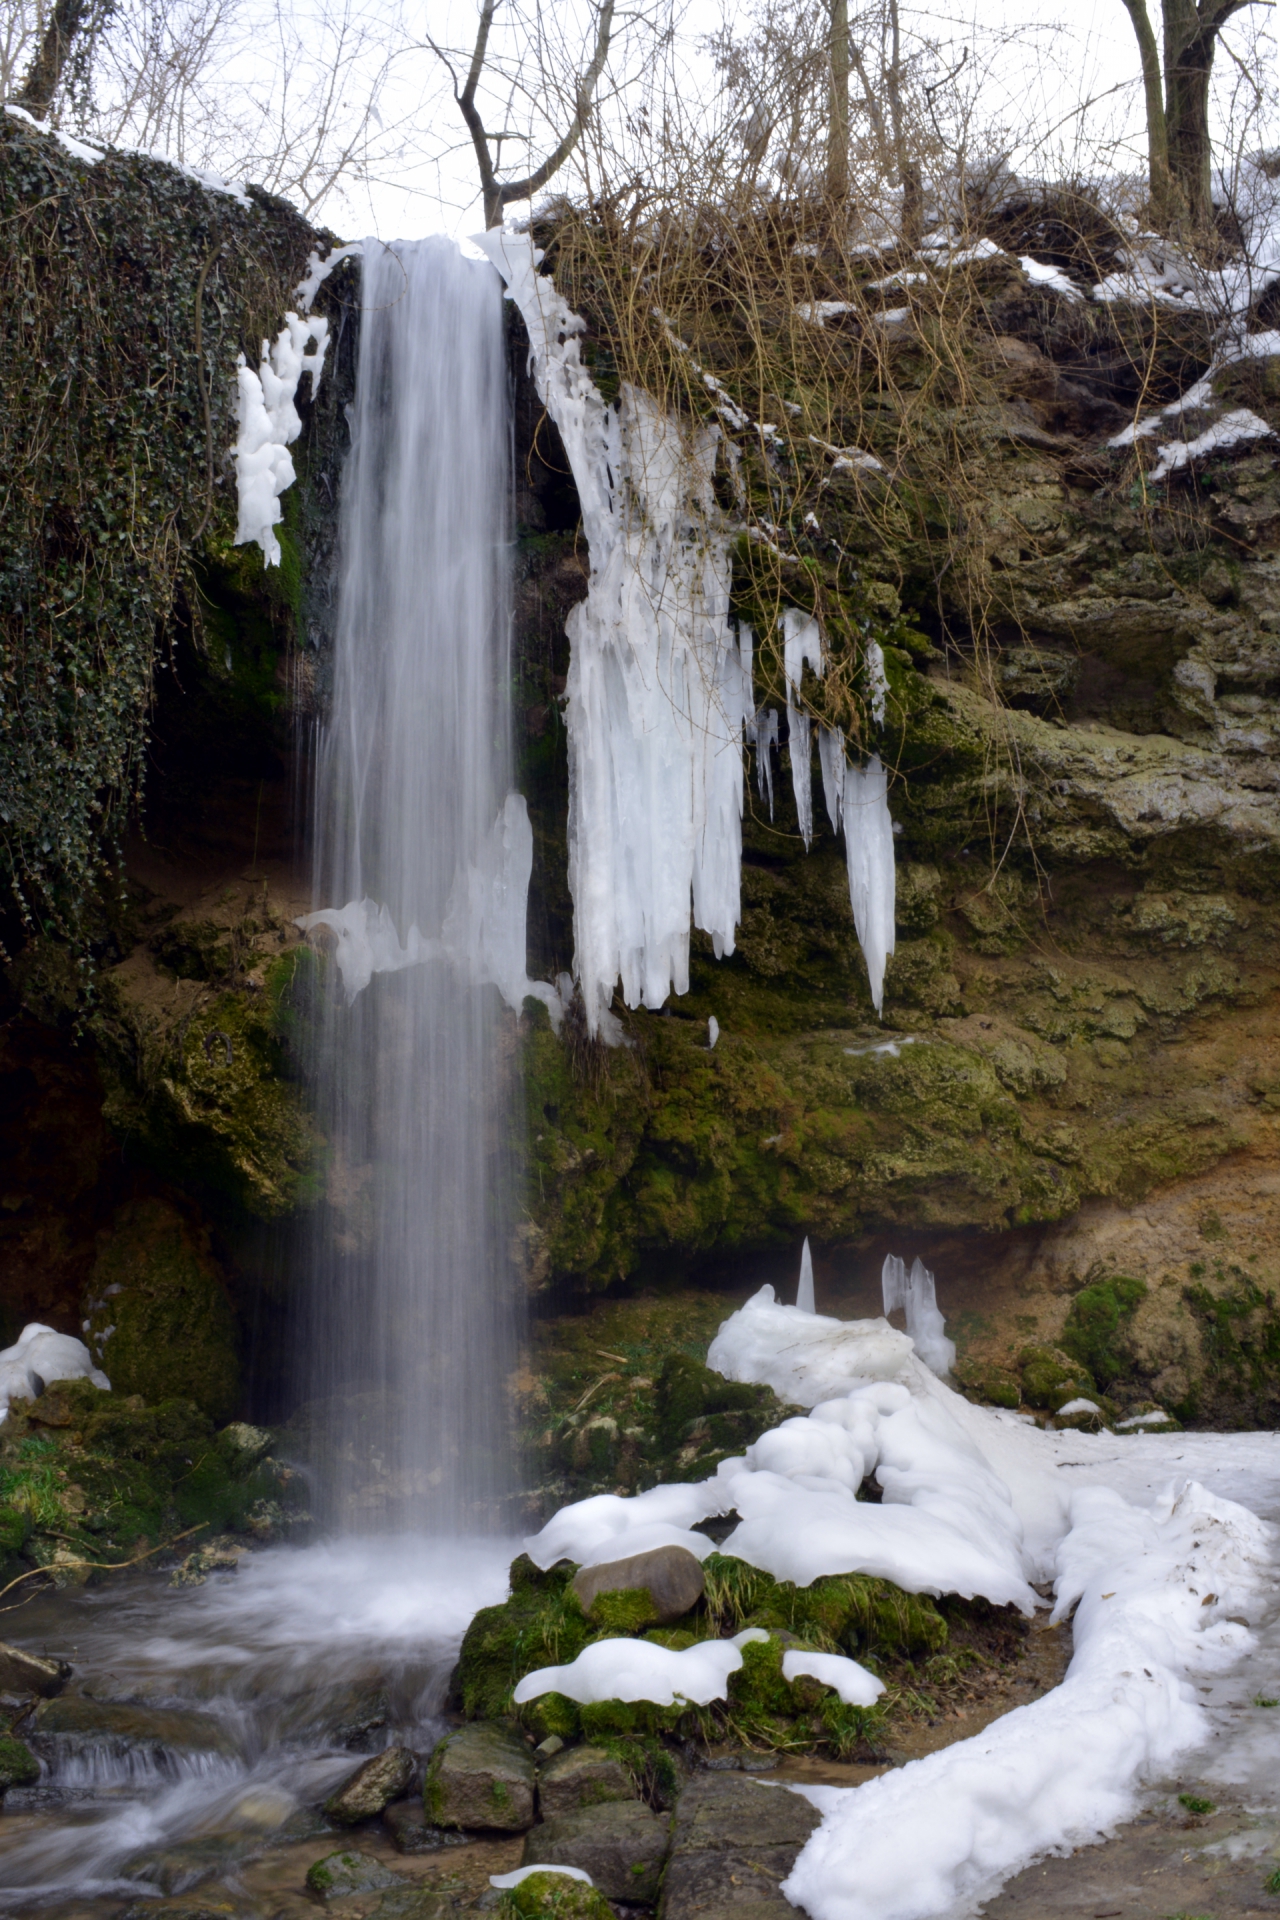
x=581 y=1777
x=18 y=1765
x=22 y=1672
x=554 y=1896
x=373 y=1786
x=414 y=1903
x=621 y=1845
x=481 y=1776
x=74 y=1725
x=337 y=1876
x=672 y=1577
x=733 y=1844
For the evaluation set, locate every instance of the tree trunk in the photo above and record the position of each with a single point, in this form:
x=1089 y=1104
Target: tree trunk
x=1157 y=127
x=1190 y=38
x=51 y=57
x=838 y=113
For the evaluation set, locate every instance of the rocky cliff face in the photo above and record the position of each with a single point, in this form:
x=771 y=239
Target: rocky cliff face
x=1077 y=1077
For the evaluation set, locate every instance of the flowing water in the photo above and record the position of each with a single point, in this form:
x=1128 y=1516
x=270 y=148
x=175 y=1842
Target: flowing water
x=411 y=1331
x=202 y=1726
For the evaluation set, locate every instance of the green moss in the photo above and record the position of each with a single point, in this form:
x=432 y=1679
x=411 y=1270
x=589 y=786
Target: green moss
x=1051 y=1377
x=843 y=1613
x=627 y=1610
x=553 y=1896
x=1240 y=1334
x=541 y=1625
x=1096 y=1323
x=158 y=1313
x=18 y=1765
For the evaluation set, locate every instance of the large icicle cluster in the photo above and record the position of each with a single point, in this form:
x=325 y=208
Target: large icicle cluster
x=658 y=685
x=1162 y=1577
x=659 y=689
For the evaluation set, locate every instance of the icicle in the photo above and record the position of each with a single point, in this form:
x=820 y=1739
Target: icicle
x=801 y=641
x=713 y=1032
x=868 y=837
x=763 y=730
x=831 y=760
x=916 y=1294
x=269 y=424
x=804 y=1292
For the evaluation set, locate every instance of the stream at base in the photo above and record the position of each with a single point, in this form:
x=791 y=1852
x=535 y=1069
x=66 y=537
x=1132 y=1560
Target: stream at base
x=202 y=1725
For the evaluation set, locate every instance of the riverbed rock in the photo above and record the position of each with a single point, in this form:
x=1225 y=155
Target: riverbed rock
x=671 y=1576
x=554 y=1896
x=338 y=1876
x=482 y=1776
x=581 y=1777
x=621 y=1845
x=373 y=1786
x=407 y=1823
x=25 y=1673
x=733 y=1844
x=18 y=1765
x=74 y=1725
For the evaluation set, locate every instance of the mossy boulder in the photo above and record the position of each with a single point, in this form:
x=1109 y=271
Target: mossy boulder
x=554 y=1896
x=990 y=1385
x=481 y=1777
x=339 y=1876
x=1097 y=1322
x=160 y=1321
x=18 y=1765
x=541 y=1625
x=1051 y=1377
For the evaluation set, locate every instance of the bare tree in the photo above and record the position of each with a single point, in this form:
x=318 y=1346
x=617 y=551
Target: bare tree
x=1175 y=83
x=499 y=194
x=64 y=44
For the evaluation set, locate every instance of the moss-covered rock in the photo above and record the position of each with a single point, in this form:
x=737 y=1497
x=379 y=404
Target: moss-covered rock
x=18 y=1765
x=554 y=1896
x=1051 y=1377
x=1096 y=1325
x=159 y=1320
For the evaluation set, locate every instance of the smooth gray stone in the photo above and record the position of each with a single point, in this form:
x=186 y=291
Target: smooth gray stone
x=672 y=1576
x=480 y=1777
x=622 y=1846
x=734 y=1844
x=373 y=1786
x=581 y=1777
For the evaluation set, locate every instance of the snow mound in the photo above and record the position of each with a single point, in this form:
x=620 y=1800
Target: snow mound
x=639 y=1670
x=855 y=1686
x=804 y=1357
x=38 y=1356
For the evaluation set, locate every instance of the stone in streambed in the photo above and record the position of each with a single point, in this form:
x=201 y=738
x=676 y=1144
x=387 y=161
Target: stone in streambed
x=481 y=1776
x=24 y=1673
x=733 y=1844
x=18 y=1765
x=409 y=1827
x=340 y=1875
x=74 y=1725
x=621 y=1845
x=373 y=1786
x=414 y=1903
x=671 y=1576
x=554 y=1896
x=581 y=1777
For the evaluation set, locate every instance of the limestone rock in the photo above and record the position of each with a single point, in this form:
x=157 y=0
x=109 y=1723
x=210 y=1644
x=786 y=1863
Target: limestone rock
x=340 y=1875
x=622 y=1846
x=373 y=1786
x=672 y=1576
x=733 y=1844
x=23 y=1672
x=74 y=1725
x=581 y=1777
x=481 y=1776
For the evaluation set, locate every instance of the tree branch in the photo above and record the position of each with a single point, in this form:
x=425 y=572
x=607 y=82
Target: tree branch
x=535 y=181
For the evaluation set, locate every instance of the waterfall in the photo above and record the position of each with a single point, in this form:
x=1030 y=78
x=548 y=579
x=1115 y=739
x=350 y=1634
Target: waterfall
x=412 y=1328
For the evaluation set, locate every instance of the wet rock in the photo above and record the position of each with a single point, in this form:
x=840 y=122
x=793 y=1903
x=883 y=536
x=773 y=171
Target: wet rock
x=18 y=1765
x=216 y=1903
x=352 y=1715
x=671 y=1576
x=413 y=1903
x=481 y=1776
x=581 y=1777
x=734 y=1842
x=622 y=1846
x=74 y=1725
x=373 y=1785
x=23 y=1673
x=176 y=1870
x=409 y=1827
x=243 y=1447
x=337 y=1876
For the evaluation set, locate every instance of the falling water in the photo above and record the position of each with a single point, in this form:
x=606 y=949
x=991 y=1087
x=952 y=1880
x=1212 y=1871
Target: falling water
x=412 y=1334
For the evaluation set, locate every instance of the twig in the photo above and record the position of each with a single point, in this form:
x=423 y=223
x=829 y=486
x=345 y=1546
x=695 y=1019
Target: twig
x=99 y=1566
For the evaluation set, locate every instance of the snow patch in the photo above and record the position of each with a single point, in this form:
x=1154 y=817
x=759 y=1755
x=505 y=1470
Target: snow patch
x=269 y=424
x=39 y=1356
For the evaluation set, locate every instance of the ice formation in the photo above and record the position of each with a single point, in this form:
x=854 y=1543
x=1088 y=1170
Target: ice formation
x=40 y=1355
x=269 y=424
x=973 y=1502
x=659 y=686
x=513 y=1879
x=868 y=847
x=804 y=1292
x=763 y=734
x=484 y=929
x=318 y=271
x=801 y=646
x=915 y=1294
